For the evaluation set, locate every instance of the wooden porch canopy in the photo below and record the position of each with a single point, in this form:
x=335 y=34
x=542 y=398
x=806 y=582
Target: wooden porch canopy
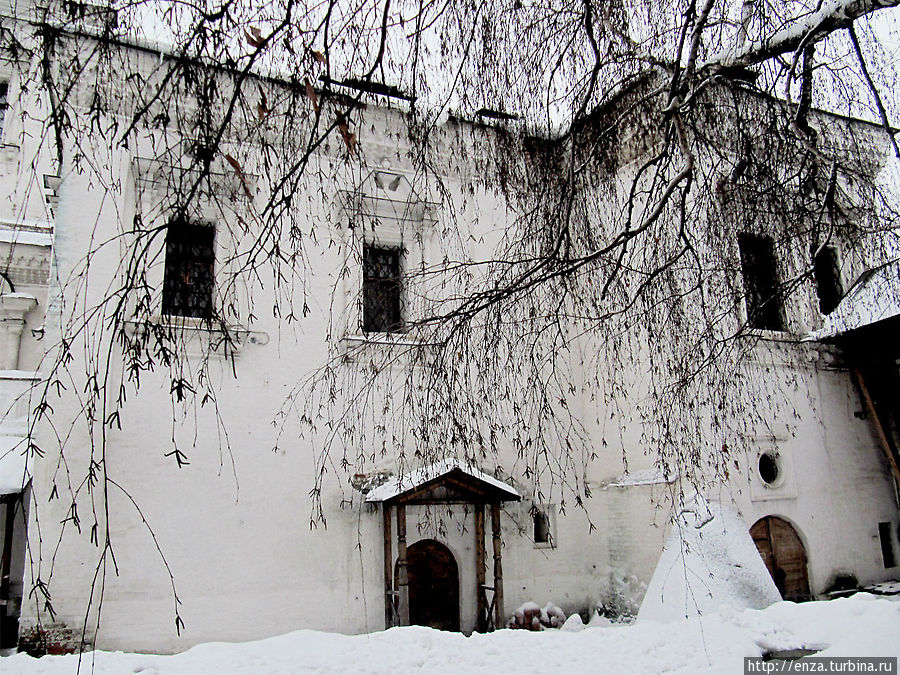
x=447 y=482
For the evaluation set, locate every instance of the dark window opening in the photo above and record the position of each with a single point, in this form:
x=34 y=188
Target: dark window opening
x=4 y=103
x=382 y=289
x=768 y=468
x=761 y=282
x=887 y=545
x=828 y=279
x=541 y=526
x=190 y=261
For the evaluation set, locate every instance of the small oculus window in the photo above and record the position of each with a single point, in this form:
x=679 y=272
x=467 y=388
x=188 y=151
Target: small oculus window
x=190 y=262
x=769 y=469
x=382 y=289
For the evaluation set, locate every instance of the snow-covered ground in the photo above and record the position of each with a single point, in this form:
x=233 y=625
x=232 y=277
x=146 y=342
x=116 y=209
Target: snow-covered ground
x=862 y=625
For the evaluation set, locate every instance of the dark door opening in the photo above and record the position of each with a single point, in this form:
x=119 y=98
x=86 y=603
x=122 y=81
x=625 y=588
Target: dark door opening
x=785 y=556
x=433 y=585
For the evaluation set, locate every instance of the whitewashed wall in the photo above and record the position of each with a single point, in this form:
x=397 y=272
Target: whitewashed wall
x=234 y=524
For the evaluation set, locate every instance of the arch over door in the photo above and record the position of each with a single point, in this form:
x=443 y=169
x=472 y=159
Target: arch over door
x=784 y=554
x=433 y=585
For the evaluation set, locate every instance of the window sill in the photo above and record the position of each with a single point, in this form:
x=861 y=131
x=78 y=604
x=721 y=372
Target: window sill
x=773 y=335
x=200 y=335
x=30 y=375
x=391 y=339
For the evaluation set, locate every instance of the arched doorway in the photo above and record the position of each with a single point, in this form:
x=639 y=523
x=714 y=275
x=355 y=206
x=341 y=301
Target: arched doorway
x=785 y=557
x=433 y=585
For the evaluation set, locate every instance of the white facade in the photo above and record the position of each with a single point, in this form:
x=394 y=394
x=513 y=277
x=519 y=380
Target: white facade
x=232 y=531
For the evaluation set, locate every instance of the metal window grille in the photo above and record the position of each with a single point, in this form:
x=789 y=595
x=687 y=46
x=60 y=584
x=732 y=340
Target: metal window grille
x=382 y=289
x=190 y=261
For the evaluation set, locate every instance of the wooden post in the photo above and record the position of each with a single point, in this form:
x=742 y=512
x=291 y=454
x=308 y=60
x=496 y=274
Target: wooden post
x=388 y=569
x=481 y=609
x=403 y=582
x=887 y=445
x=499 y=615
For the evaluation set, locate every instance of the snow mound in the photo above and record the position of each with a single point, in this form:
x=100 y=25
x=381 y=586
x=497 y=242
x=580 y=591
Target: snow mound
x=709 y=561
x=599 y=621
x=573 y=624
x=862 y=625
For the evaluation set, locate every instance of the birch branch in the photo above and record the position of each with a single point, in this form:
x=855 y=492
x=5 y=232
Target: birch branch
x=834 y=15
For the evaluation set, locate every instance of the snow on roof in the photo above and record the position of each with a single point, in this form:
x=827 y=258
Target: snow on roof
x=874 y=297
x=14 y=473
x=651 y=476
x=414 y=479
x=26 y=237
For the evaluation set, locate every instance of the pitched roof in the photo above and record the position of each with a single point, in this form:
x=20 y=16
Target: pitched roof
x=874 y=297
x=446 y=481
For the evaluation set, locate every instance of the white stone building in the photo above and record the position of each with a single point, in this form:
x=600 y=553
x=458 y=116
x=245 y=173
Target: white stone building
x=224 y=542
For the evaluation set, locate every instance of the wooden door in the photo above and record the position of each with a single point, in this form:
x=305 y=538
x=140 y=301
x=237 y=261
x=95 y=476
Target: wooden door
x=785 y=557
x=433 y=585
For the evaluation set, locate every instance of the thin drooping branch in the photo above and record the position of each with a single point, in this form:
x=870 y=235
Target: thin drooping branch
x=876 y=95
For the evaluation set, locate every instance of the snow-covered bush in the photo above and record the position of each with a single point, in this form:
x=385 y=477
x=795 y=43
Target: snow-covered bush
x=531 y=617
x=621 y=599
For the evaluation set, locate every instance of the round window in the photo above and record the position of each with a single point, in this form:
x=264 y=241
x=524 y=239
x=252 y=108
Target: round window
x=769 y=469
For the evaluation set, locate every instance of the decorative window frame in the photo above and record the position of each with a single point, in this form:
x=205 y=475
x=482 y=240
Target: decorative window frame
x=10 y=127
x=785 y=486
x=151 y=180
x=383 y=210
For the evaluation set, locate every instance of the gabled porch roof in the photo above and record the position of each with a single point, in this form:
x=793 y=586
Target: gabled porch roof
x=446 y=482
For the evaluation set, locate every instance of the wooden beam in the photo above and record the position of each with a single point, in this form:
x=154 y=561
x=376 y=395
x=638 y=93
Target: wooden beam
x=5 y=567
x=480 y=598
x=499 y=616
x=402 y=573
x=388 y=569
x=887 y=445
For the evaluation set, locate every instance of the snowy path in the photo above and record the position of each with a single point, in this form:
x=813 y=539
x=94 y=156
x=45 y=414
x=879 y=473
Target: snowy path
x=864 y=625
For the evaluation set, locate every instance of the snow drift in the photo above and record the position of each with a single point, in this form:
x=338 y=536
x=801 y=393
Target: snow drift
x=709 y=560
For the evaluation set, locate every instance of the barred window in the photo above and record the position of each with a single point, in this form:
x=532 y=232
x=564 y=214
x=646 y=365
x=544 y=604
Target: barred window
x=382 y=289
x=190 y=261
x=761 y=284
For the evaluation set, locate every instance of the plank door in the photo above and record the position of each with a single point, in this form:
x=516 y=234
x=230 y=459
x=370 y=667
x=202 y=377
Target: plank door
x=785 y=556
x=433 y=586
